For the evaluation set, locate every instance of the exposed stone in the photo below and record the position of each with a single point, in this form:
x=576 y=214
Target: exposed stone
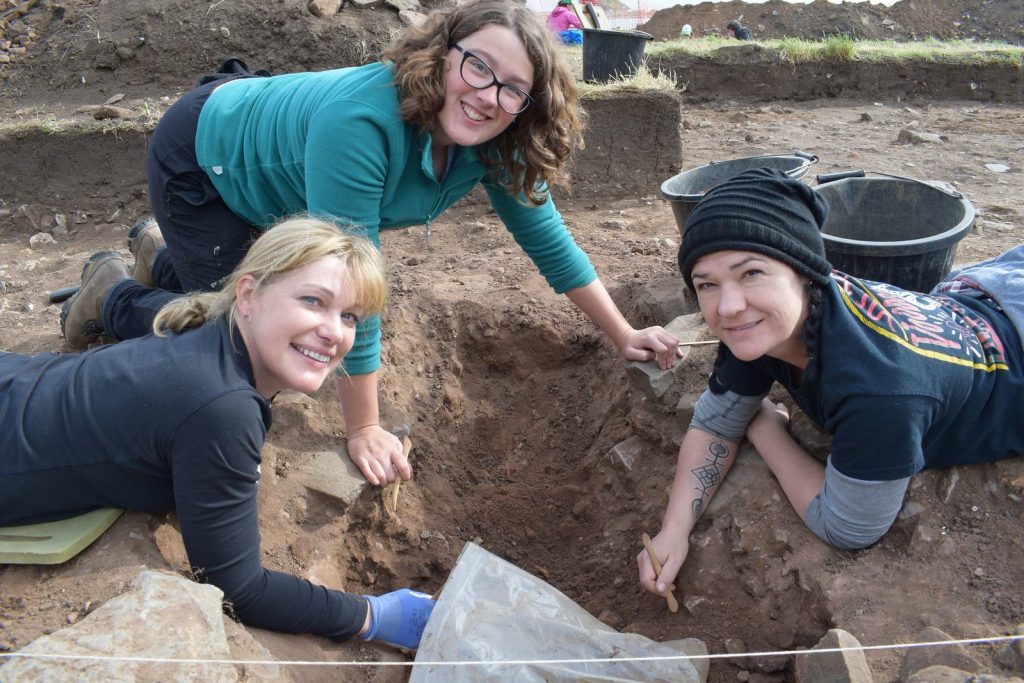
x=626 y=453
x=749 y=473
x=413 y=18
x=648 y=377
x=404 y=5
x=303 y=548
x=168 y=541
x=106 y=112
x=685 y=406
x=846 y=666
x=325 y=9
x=953 y=656
x=40 y=238
x=693 y=602
x=665 y=299
x=334 y=474
x=948 y=674
x=60 y=224
x=366 y=4
x=40 y=217
x=911 y=137
x=1012 y=656
x=165 y=616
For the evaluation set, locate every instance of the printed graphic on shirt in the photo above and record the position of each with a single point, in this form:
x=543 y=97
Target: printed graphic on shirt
x=933 y=326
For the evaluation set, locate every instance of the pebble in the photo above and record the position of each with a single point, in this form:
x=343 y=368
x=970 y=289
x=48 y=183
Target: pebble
x=40 y=238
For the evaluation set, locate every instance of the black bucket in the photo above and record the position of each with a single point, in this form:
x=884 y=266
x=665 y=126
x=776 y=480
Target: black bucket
x=611 y=54
x=893 y=229
x=686 y=189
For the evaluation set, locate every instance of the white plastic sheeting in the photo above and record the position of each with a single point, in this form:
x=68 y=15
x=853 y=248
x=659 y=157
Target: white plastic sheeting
x=490 y=612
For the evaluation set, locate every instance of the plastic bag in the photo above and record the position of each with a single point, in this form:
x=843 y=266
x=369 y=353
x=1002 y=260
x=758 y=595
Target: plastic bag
x=491 y=611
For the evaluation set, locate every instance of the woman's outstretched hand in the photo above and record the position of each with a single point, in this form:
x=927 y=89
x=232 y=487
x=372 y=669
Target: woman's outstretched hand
x=651 y=342
x=398 y=618
x=671 y=551
x=378 y=455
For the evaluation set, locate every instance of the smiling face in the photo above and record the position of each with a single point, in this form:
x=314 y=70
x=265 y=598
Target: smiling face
x=469 y=116
x=298 y=327
x=755 y=304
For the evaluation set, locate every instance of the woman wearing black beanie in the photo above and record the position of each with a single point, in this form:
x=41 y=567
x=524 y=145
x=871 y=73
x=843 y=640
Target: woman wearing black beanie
x=902 y=381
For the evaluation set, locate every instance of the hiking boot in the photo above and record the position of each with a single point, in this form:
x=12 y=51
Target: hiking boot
x=81 y=318
x=144 y=241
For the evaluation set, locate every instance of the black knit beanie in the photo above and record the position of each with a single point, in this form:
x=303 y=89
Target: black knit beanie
x=761 y=210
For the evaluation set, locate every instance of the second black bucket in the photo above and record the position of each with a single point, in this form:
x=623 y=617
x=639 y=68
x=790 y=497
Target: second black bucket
x=893 y=229
x=612 y=54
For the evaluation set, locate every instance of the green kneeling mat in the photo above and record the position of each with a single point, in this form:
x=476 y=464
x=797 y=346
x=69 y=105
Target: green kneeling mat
x=54 y=542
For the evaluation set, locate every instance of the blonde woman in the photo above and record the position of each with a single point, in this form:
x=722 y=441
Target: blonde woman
x=177 y=420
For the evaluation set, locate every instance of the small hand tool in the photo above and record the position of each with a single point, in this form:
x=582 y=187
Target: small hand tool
x=673 y=605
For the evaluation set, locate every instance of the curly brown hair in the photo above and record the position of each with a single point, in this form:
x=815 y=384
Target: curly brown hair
x=532 y=152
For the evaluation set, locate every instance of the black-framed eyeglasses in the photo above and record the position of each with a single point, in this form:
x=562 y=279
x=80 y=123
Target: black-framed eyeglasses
x=475 y=72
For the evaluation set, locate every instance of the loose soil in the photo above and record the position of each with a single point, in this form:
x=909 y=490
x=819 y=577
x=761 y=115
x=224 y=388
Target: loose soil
x=981 y=20
x=516 y=399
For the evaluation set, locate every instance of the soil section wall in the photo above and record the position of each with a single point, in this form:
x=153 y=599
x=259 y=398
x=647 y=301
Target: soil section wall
x=749 y=72
x=617 y=159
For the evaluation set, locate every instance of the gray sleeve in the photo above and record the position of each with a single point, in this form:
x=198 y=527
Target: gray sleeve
x=725 y=415
x=854 y=513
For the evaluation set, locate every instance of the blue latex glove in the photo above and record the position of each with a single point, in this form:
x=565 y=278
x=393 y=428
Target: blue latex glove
x=399 y=617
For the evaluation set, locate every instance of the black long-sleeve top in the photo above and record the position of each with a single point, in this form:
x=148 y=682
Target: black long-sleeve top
x=159 y=424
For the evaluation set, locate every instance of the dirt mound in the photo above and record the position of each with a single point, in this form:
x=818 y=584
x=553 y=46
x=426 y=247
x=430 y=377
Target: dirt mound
x=150 y=46
x=982 y=20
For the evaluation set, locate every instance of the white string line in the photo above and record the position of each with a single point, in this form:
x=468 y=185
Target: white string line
x=512 y=662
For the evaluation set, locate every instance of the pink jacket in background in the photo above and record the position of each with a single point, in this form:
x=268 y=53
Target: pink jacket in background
x=563 y=18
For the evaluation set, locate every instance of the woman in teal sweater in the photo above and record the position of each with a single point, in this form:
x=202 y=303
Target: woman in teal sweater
x=479 y=95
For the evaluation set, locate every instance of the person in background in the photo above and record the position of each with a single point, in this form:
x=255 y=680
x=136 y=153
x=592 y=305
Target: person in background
x=686 y=31
x=566 y=24
x=902 y=381
x=176 y=420
x=479 y=96
x=738 y=30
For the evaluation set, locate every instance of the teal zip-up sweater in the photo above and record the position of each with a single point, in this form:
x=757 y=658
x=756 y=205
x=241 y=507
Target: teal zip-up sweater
x=333 y=143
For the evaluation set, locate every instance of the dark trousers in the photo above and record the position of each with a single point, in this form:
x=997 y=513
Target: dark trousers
x=205 y=239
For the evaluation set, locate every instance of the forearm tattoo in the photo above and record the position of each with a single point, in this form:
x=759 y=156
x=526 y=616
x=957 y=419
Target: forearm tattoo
x=708 y=475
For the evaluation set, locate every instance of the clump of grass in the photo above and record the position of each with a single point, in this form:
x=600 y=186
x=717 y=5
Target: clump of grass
x=49 y=124
x=643 y=80
x=844 y=48
x=838 y=48
x=796 y=50
x=699 y=46
x=834 y=48
x=953 y=52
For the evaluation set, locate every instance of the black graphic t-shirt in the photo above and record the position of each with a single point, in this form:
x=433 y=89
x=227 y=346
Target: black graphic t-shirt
x=903 y=381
